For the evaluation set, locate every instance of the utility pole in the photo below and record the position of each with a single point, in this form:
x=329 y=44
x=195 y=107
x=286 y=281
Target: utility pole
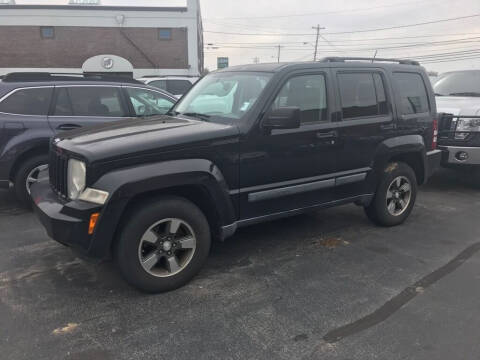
x=318 y=28
x=278 y=56
x=256 y=60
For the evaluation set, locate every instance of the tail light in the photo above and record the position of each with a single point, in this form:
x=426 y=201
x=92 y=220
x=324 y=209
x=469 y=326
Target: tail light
x=435 y=134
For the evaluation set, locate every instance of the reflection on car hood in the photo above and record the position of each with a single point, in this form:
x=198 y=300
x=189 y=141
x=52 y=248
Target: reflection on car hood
x=134 y=137
x=458 y=105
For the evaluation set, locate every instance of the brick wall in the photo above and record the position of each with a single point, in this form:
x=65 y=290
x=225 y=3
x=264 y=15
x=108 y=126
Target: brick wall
x=22 y=46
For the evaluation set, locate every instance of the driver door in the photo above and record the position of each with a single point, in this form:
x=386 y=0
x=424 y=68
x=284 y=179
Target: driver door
x=283 y=170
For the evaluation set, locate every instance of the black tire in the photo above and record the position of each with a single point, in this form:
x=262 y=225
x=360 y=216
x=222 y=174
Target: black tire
x=21 y=175
x=378 y=211
x=139 y=221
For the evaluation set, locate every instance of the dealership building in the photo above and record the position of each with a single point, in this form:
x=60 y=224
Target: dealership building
x=85 y=36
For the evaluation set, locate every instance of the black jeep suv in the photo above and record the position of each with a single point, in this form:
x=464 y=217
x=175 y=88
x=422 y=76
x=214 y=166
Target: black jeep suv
x=36 y=106
x=246 y=144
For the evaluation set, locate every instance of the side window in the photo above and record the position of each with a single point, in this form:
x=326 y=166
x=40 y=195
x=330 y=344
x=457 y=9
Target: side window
x=413 y=94
x=307 y=92
x=147 y=103
x=101 y=101
x=381 y=95
x=63 y=105
x=28 y=102
x=362 y=94
x=161 y=84
x=178 y=87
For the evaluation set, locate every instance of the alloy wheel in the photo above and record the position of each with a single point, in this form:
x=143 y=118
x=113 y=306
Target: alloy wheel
x=32 y=176
x=167 y=247
x=398 y=197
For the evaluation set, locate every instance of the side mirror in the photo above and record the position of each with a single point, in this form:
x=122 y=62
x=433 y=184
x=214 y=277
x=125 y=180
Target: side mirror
x=282 y=118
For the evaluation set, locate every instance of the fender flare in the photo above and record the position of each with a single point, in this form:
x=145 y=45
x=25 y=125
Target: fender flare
x=395 y=146
x=124 y=184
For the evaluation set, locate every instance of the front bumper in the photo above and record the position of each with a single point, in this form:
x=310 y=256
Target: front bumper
x=4 y=184
x=65 y=221
x=455 y=155
x=432 y=162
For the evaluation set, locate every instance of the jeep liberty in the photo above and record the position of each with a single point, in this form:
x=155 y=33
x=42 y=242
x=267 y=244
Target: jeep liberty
x=246 y=144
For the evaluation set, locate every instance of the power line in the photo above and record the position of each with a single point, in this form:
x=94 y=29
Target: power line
x=356 y=40
x=450 y=60
x=349 y=32
x=320 y=13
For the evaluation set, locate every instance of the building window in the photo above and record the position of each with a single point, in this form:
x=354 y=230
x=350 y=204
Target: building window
x=47 y=32
x=165 y=34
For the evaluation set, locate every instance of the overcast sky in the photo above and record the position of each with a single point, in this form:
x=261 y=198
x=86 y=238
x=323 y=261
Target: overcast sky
x=277 y=22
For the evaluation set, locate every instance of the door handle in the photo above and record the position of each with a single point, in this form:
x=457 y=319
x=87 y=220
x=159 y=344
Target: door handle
x=327 y=135
x=388 y=127
x=68 y=126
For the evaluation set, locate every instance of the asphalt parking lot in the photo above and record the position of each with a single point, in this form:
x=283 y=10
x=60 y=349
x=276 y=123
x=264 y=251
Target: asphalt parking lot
x=324 y=285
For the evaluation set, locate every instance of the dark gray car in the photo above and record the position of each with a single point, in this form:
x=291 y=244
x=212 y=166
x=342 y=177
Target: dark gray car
x=36 y=106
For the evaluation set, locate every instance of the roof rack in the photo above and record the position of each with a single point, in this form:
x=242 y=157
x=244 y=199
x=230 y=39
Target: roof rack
x=46 y=76
x=342 y=59
x=171 y=75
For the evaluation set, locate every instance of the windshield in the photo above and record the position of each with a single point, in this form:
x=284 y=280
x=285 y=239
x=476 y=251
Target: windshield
x=461 y=83
x=223 y=96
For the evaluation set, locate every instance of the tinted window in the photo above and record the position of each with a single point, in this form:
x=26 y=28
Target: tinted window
x=362 y=94
x=147 y=103
x=63 y=106
x=178 y=87
x=307 y=92
x=28 y=102
x=102 y=101
x=161 y=84
x=413 y=94
x=381 y=96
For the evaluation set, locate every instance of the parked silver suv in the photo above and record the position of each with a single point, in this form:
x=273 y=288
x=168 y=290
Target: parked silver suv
x=36 y=106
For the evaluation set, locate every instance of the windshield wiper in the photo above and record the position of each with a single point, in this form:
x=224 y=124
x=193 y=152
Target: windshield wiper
x=200 y=116
x=471 y=93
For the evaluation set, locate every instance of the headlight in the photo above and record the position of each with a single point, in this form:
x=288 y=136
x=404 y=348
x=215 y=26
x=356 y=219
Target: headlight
x=76 y=175
x=465 y=127
x=468 y=125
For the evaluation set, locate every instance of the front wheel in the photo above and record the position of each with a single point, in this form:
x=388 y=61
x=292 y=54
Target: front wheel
x=395 y=196
x=164 y=244
x=27 y=175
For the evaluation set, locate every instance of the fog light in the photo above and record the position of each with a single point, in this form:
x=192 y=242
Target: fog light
x=461 y=155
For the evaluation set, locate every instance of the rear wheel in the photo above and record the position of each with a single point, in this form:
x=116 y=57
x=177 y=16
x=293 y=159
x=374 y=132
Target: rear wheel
x=395 y=196
x=164 y=244
x=27 y=175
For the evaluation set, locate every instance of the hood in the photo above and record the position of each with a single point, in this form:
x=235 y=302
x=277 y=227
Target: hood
x=131 y=137
x=458 y=105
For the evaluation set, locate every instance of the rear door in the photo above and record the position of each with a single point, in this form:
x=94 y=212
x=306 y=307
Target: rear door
x=76 y=106
x=366 y=114
x=23 y=124
x=416 y=109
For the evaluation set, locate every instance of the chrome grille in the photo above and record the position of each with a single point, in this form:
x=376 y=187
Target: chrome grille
x=58 y=171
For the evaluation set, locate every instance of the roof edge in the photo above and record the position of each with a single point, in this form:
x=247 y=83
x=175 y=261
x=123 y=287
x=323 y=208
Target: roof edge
x=96 y=8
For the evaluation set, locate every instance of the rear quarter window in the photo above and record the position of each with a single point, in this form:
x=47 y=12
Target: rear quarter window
x=35 y=101
x=412 y=92
x=178 y=87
